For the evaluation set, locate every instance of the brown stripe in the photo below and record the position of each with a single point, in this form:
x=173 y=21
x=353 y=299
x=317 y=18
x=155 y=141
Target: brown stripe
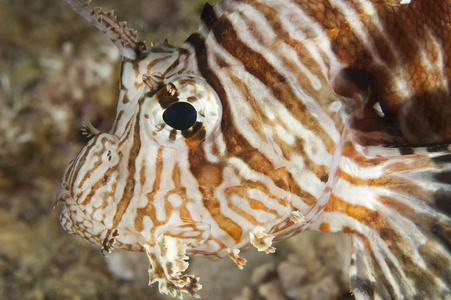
x=242 y=192
x=387 y=180
x=152 y=63
x=324 y=227
x=100 y=183
x=86 y=176
x=206 y=173
x=96 y=164
x=158 y=170
x=125 y=99
x=77 y=163
x=369 y=217
x=325 y=96
x=165 y=98
x=177 y=177
x=68 y=173
x=126 y=136
x=285 y=229
x=117 y=121
x=131 y=171
x=393 y=239
x=80 y=162
x=146 y=211
x=379 y=275
x=255 y=64
x=181 y=52
x=236 y=144
x=212 y=204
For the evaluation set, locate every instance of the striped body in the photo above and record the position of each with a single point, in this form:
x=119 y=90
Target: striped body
x=285 y=138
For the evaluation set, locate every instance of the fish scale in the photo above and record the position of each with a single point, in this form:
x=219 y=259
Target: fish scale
x=286 y=137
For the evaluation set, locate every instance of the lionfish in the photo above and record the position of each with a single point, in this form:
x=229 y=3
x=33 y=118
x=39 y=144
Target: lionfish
x=274 y=117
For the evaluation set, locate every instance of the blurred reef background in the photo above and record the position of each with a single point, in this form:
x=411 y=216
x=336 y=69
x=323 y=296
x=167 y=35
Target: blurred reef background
x=55 y=69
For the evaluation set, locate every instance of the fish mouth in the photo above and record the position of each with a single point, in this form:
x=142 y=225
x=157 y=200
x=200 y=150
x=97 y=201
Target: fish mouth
x=62 y=197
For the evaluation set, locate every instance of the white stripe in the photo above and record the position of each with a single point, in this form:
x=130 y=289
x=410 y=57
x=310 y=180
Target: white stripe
x=357 y=170
x=312 y=34
x=202 y=214
x=186 y=177
x=208 y=149
x=359 y=29
x=285 y=135
x=267 y=201
x=272 y=57
x=244 y=171
x=439 y=66
x=224 y=200
x=148 y=153
x=306 y=179
x=166 y=183
x=380 y=249
x=147 y=228
x=242 y=112
x=398 y=76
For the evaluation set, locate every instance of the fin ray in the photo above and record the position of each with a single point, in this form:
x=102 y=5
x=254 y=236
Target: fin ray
x=399 y=220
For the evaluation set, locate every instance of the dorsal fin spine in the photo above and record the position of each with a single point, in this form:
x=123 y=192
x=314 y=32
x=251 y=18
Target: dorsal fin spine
x=123 y=37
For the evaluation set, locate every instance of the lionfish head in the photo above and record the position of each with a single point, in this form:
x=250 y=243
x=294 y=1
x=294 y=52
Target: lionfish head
x=157 y=180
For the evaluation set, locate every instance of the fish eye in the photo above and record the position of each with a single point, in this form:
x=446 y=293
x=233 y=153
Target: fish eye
x=184 y=112
x=180 y=115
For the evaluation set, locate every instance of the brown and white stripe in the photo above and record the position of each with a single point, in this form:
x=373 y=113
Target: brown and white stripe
x=285 y=138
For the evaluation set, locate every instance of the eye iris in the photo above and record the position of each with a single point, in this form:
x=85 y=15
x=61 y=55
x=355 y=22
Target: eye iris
x=180 y=115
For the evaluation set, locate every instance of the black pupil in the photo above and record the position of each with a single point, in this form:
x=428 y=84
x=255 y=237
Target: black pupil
x=180 y=115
